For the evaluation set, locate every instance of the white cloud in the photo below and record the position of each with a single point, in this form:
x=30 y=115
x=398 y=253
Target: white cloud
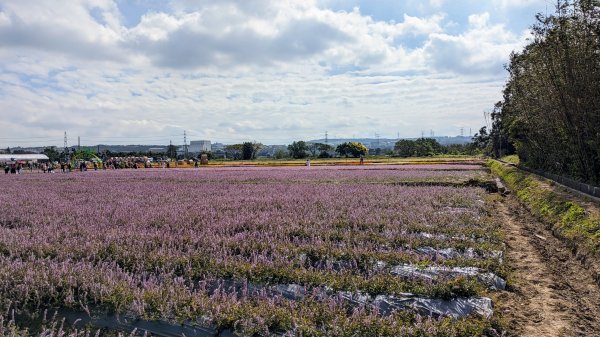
x=66 y=27
x=483 y=48
x=479 y=21
x=237 y=70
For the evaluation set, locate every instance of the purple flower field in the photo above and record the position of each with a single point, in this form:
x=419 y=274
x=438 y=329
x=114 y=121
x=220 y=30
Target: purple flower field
x=221 y=247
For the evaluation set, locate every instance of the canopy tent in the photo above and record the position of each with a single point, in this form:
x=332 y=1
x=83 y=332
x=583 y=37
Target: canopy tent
x=22 y=157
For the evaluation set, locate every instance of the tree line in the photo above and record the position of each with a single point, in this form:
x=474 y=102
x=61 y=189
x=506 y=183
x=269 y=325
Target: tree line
x=550 y=111
x=301 y=149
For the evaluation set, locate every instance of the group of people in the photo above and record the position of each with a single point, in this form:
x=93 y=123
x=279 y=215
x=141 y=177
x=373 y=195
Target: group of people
x=45 y=167
x=113 y=163
x=15 y=168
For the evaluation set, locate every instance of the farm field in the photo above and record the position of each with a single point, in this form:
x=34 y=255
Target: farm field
x=374 y=250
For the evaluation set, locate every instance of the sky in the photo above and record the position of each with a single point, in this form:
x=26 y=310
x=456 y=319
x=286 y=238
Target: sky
x=143 y=72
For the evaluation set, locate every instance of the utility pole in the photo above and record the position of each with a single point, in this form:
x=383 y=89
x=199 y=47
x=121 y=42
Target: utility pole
x=377 y=136
x=422 y=134
x=431 y=134
x=398 y=136
x=326 y=139
x=78 y=143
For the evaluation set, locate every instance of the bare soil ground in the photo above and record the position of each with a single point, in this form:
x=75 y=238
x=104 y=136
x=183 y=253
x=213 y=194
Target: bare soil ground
x=551 y=293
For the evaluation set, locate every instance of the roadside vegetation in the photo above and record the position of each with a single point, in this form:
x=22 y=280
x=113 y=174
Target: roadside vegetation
x=569 y=218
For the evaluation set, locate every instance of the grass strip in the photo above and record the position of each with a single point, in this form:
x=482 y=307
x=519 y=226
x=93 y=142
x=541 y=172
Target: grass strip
x=570 y=219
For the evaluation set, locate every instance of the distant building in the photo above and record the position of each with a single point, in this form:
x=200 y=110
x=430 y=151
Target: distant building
x=198 y=146
x=217 y=146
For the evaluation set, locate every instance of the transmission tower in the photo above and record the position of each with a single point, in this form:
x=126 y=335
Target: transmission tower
x=462 y=132
x=185 y=148
x=66 y=148
x=326 y=139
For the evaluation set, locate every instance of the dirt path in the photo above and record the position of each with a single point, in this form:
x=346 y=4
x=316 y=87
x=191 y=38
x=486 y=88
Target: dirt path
x=552 y=294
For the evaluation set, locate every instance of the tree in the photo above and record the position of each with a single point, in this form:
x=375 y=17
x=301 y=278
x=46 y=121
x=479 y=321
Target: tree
x=343 y=149
x=250 y=149
x=234 y=151
x=255 y=148
x=324 y=150
x=280 y=154
x=318 y=148
x=354 y=149
x=425 y=147
x=421 y=147
x=172 y=151
x=481 y=140
x=405 y=148
x=247 y=151
x=550 y=111
x=358 y=149
x=52 y=153
x=298 y=149
x=460 y=149
x=313 y=148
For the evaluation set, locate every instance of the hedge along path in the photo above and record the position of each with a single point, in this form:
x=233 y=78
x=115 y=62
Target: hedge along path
x=554 y=294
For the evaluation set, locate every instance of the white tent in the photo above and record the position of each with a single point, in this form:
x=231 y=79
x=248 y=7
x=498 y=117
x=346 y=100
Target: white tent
x=22 y=157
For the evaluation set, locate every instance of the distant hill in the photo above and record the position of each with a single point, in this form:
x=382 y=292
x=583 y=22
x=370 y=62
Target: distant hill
x=388 y=143
x=129 y=148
